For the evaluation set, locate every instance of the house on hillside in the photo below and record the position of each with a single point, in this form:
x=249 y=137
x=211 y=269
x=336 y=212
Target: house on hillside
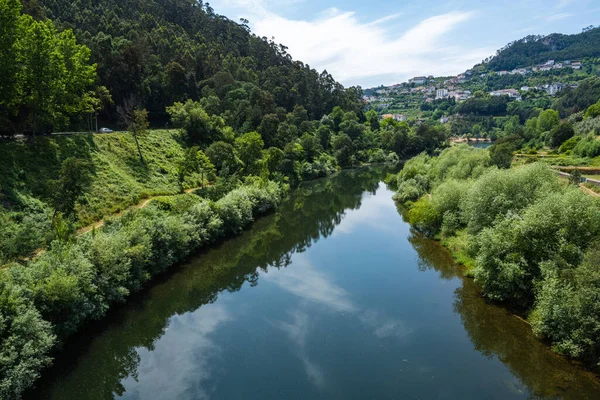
x=512 y=93
x=576 y=65
x=418 y=80
x=444 y=120
x=554 y=88
x=441 y=93
x=395 y=117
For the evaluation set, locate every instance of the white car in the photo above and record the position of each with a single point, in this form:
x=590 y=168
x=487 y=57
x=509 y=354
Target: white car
x=105 y=130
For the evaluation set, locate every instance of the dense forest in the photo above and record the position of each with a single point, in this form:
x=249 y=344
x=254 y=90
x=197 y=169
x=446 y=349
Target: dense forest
x=533 y=50
x=153 y=54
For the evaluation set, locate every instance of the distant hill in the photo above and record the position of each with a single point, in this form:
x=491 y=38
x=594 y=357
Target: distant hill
x=533 y=50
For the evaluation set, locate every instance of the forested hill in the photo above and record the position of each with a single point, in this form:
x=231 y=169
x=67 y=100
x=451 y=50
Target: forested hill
x=533 y=50
x=163 y=51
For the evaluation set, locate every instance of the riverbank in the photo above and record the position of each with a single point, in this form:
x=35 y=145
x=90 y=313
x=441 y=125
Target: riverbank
x=516 y=230
x=300 y=292
x=77 y=281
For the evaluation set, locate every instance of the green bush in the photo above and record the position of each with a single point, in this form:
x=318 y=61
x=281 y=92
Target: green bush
x=557 y=226
x=74 y=282
x=588 y=146
x=567 y=309
x=25 y=340
x=500 y=192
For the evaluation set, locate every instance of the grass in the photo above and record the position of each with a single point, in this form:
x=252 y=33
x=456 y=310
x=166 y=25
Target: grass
x=118 y=179
x=458 y=245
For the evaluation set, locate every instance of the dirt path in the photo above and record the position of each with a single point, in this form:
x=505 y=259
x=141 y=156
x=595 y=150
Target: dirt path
x=142 y=204
x=100 y=224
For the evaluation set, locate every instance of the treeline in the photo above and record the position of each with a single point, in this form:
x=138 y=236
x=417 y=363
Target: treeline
x=533 y=50
x=527 y=239
x=45 y=76
x=75 y=281
x=157 y=53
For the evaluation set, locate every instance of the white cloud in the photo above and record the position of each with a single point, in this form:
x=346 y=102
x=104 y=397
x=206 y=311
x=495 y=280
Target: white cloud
x=365 y=53
x=564 y=3
x=557 y=17
x=190 y=347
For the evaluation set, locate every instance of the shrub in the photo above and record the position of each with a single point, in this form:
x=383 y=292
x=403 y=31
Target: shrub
x=500 y=192
x=588 y=146
x=25 y=340
x=61 y=284
x=424 y=217
x=567 y=309
x=557 y=226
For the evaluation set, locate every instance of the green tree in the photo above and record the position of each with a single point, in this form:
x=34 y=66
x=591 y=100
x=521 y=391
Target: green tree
x=25 y=341
x=575 y=178
x=343 y=149
x=561 y=133
x=201 y=128
x=547 y=120
x=372 y=119
x=10 y=30
x=194 y=161
x=501 y=155
x=55 y=75
x=593 y=111
x=222 y=156
x=249 y=147
x=70 y=186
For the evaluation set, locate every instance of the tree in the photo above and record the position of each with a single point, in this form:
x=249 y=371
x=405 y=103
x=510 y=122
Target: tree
x=343 y=149
x=547 y=120
x=9 y=68
x=68 y=188
x=194 y=161
x=201 y=128
x=135 y=120
x=561 y=133
x=501 y=155
x=55 y=76
x=593 y=111
x=311 y=146
x=25 y=341
x=372 y=119
x=222 y=156
x=249 y=147
x=575 y=178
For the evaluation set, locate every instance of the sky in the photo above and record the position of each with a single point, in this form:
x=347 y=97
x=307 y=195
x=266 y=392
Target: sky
x=369 y=43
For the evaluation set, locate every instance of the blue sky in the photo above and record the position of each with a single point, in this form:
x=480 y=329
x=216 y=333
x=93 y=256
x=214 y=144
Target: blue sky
x=369 y=43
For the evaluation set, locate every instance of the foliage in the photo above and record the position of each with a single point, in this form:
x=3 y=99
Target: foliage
x=200 y=128
x=588 y=146
x=76 y=282
x=25 y=340
x=527 y=239
x=48 y=76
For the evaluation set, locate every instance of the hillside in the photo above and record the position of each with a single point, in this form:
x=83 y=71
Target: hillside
x=165 y=51
x=533 y=50
x=113 y=179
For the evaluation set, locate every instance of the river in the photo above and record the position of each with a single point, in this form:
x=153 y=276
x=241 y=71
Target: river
x=333 y=296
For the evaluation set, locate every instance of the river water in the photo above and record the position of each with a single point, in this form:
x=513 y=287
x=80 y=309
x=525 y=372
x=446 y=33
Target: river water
x=331 y=297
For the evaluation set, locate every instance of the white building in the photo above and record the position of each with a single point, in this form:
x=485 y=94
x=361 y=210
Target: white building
x=554 y=88
x=441 y=93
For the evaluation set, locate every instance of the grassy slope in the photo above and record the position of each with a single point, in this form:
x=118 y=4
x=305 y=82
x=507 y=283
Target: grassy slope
x=118 y=178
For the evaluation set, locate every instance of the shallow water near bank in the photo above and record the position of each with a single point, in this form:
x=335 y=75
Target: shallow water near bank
x=333 y=296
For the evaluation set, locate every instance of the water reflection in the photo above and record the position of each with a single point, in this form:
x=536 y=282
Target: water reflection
x=361 y=314
x=496 y=333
